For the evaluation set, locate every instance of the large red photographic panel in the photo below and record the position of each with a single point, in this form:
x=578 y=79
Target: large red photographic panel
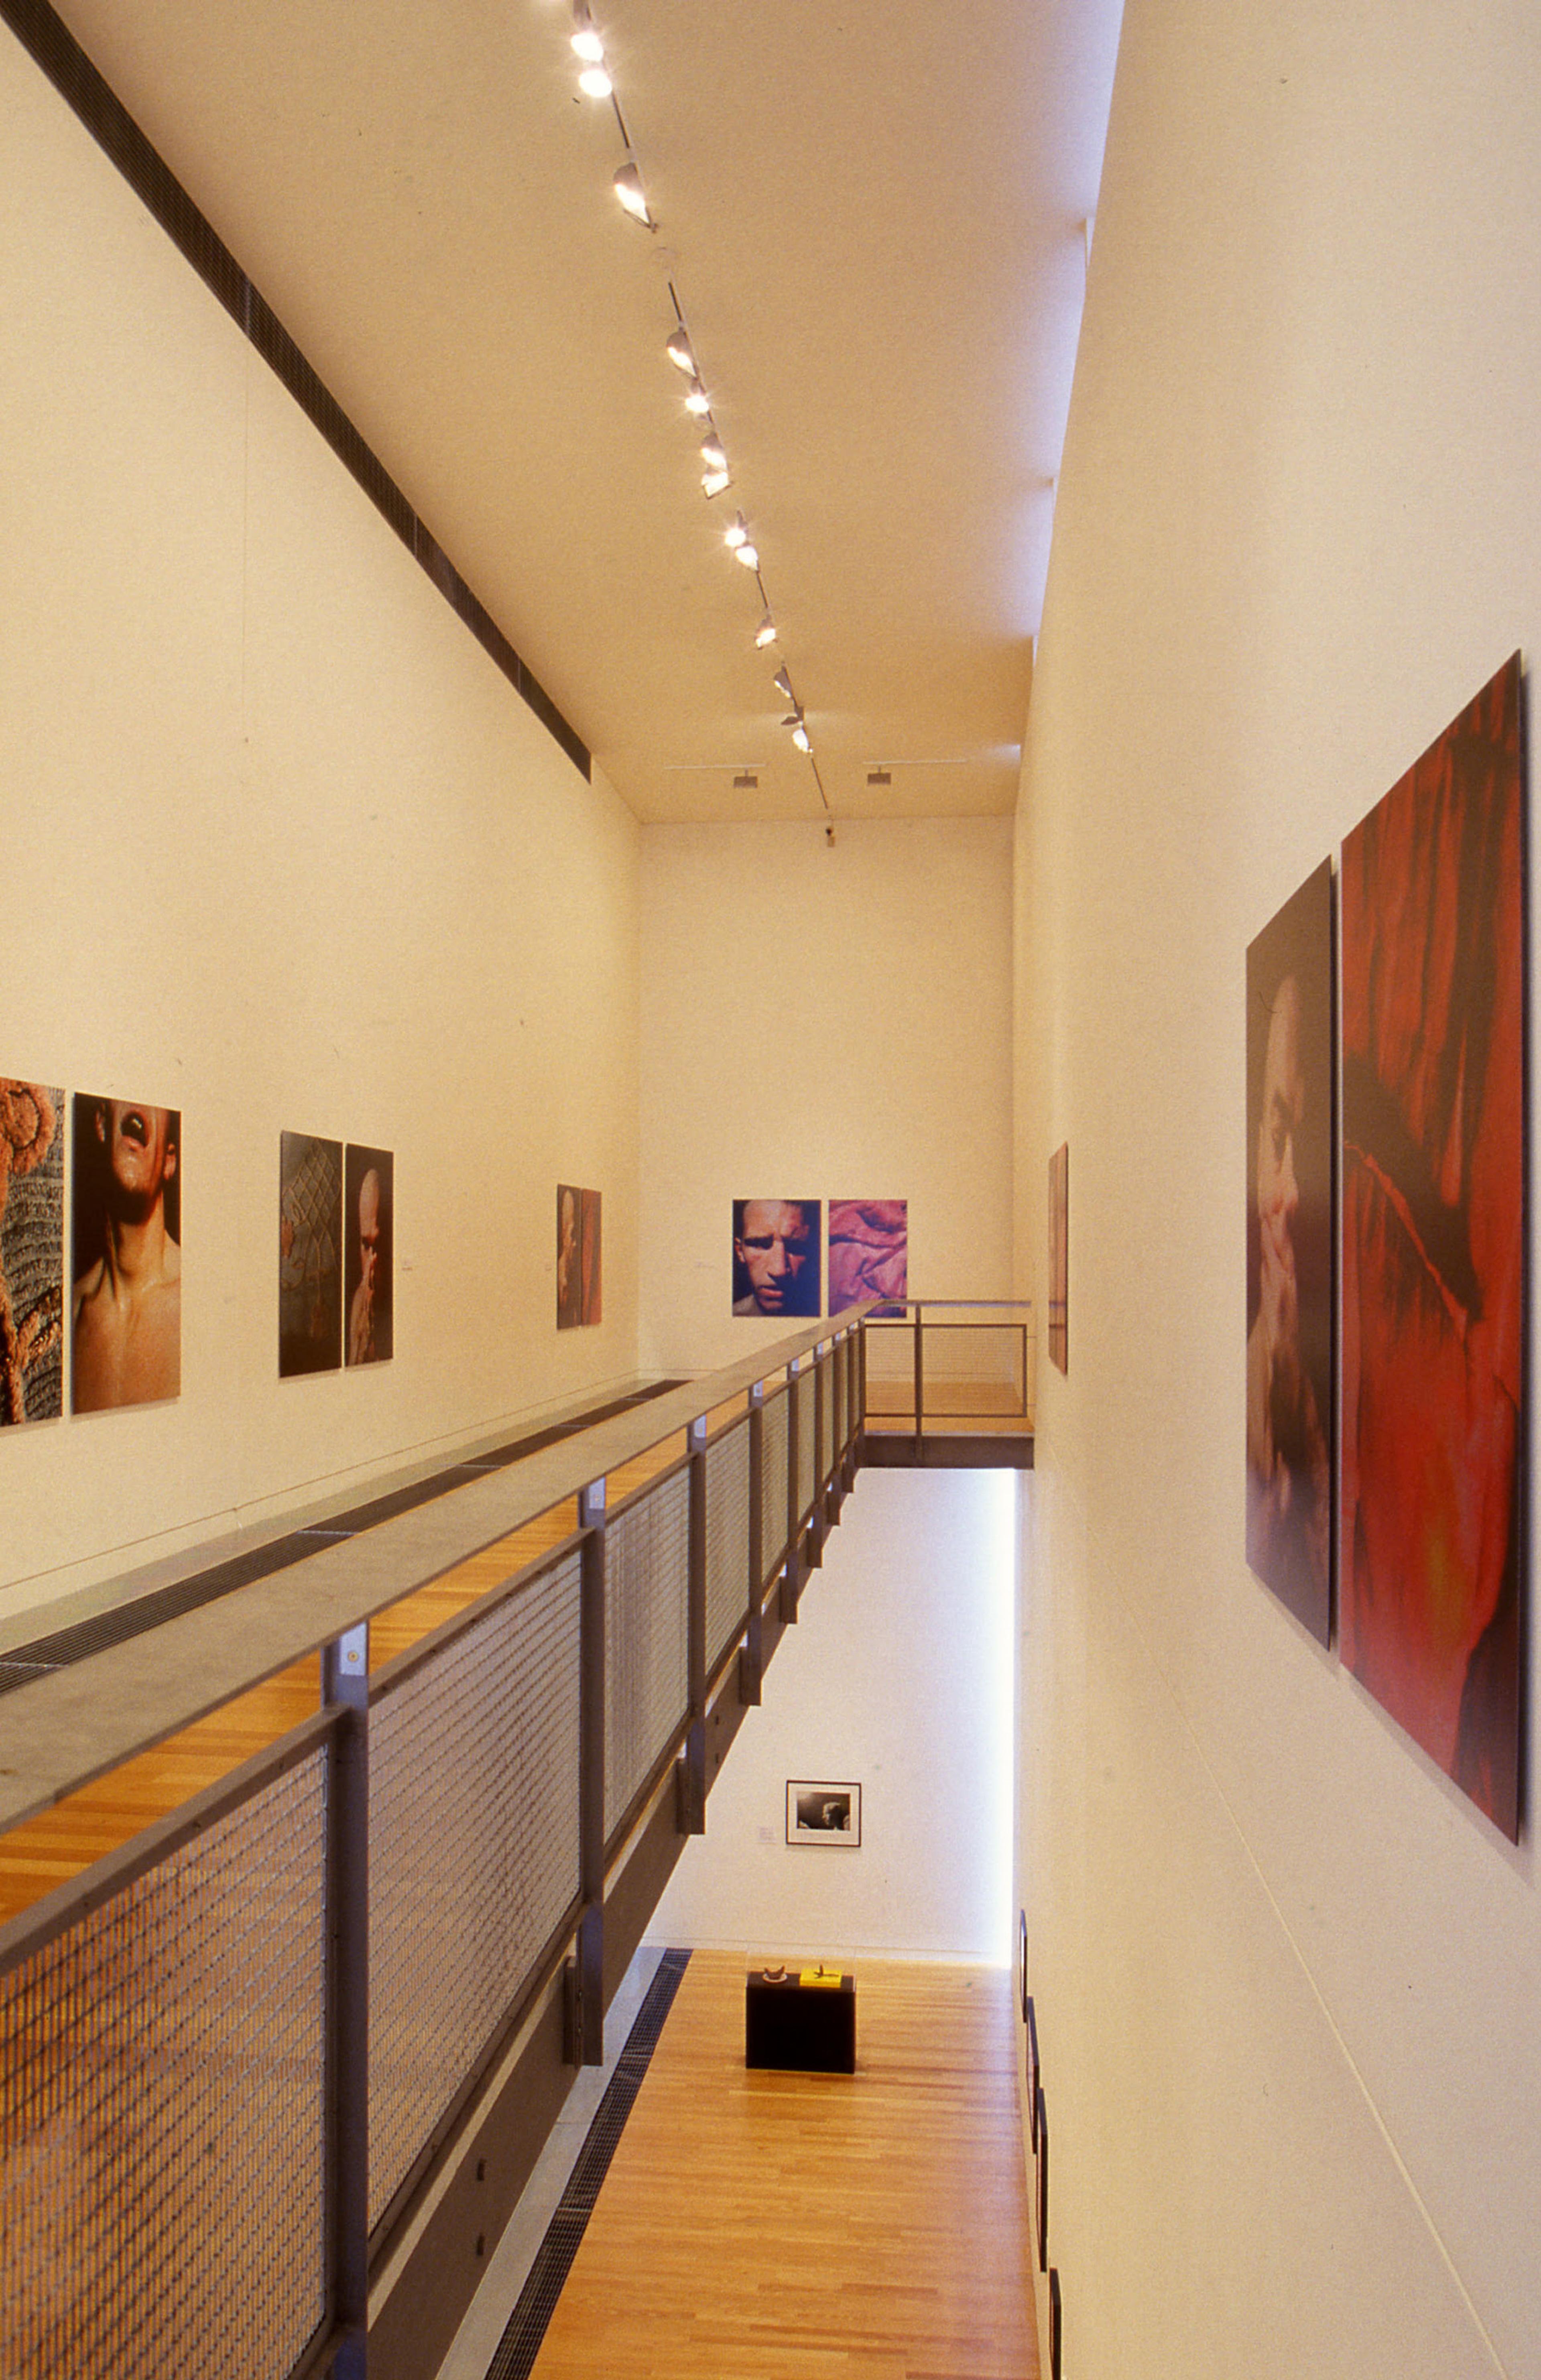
x=1433 y=1249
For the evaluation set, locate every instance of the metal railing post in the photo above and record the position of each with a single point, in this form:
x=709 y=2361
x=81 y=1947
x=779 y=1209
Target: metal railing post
x=919 y=1381
x=751 y=1661
x=792 y=1582
x=586 y=2026
x=692 y=1766
x=819 y=1526
x=346 y=1688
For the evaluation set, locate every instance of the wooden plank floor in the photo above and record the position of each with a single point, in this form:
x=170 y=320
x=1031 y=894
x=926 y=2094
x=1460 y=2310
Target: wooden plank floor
x=788 y=2226
x=59 y=1844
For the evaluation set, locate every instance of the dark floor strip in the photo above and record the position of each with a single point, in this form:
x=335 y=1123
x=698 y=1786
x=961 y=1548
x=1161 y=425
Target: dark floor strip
x=25 y=1662
x=520 y=2343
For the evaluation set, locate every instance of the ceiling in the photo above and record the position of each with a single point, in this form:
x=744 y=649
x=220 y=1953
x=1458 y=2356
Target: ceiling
x=875 y=222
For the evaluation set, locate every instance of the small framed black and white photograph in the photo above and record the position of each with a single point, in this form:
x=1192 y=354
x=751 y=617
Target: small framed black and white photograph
x=823 y=1816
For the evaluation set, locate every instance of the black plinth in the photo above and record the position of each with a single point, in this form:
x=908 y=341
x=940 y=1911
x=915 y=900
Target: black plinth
x=800 y=2028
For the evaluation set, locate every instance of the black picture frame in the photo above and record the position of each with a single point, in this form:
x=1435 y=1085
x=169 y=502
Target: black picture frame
x=1056 y=2325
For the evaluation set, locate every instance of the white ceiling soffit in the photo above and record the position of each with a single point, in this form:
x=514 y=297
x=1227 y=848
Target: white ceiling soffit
x=875 y=223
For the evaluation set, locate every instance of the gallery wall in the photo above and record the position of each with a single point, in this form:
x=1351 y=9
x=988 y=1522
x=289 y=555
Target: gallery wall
x=1286 y=1974
x=284 y=850
x=821 y=1023
x=896 y=1678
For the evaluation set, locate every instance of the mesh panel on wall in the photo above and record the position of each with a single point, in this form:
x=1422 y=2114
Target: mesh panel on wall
x=772 y=1486
x=161 y=2146
x=727 y=1590
x=645 y=1653
x=806 y=1420
x=473 y=1853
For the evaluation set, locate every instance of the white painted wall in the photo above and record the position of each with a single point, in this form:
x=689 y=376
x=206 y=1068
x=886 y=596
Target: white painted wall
x=898 y=1676
x=1289 y=1981
x=284 y=850
x=824 y=1023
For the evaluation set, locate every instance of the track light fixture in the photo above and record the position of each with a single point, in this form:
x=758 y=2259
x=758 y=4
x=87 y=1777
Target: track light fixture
x=713 y=483
x=595 y=83
x=586 y=35
x=736 y=532
x=782 y=684
x=747 y=555
x=712 y=454
x=633 y=197
x=766 y=632
x=678 y=350
x=696 y=400
x=800 y=737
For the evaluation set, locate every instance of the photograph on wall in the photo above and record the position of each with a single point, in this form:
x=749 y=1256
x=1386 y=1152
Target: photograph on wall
x=32 y=1252
x=825 y=1817
x=1433 y=1249
x=1289 y=1253
x=126 y=1236
x=869 y=1244
x=309 y=1255
x=1058 y=1257
x=776 y=1267
x=368 y=1272
x=577 y=1257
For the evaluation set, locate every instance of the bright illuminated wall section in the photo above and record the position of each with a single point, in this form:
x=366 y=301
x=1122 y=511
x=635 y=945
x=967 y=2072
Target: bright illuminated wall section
x=897 y=1678
x=834 y=1022
x=1284 y=1967
x=286 y=852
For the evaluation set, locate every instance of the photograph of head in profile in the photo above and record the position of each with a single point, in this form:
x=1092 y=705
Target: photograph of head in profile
x=1289 y=1348
x=125 y=1343
x=367 y=1279
x=577 y=1256
x=775 y=1255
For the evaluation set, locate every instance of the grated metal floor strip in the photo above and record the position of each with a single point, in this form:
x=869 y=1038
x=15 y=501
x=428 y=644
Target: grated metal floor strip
x=25 y=1662
x=520 y=2343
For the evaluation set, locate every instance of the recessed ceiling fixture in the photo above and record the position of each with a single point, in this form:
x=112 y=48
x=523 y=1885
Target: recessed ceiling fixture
x=633 y=197
x=766 y=632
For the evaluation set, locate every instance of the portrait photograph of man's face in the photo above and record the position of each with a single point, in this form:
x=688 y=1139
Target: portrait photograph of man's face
x=126 y=1302
x=1289 y=1348
x=367 y=1207
x=776 y=1257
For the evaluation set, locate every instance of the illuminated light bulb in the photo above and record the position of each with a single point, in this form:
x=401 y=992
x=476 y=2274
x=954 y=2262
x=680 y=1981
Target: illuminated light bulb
x=713 y=483
x=736 y=532
x=678 y=350
x=695 y=399
x=712 y=454
x=633 y=197
x=585 y=37
x=596 y=82
x=747 y=555
x=766 y=632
